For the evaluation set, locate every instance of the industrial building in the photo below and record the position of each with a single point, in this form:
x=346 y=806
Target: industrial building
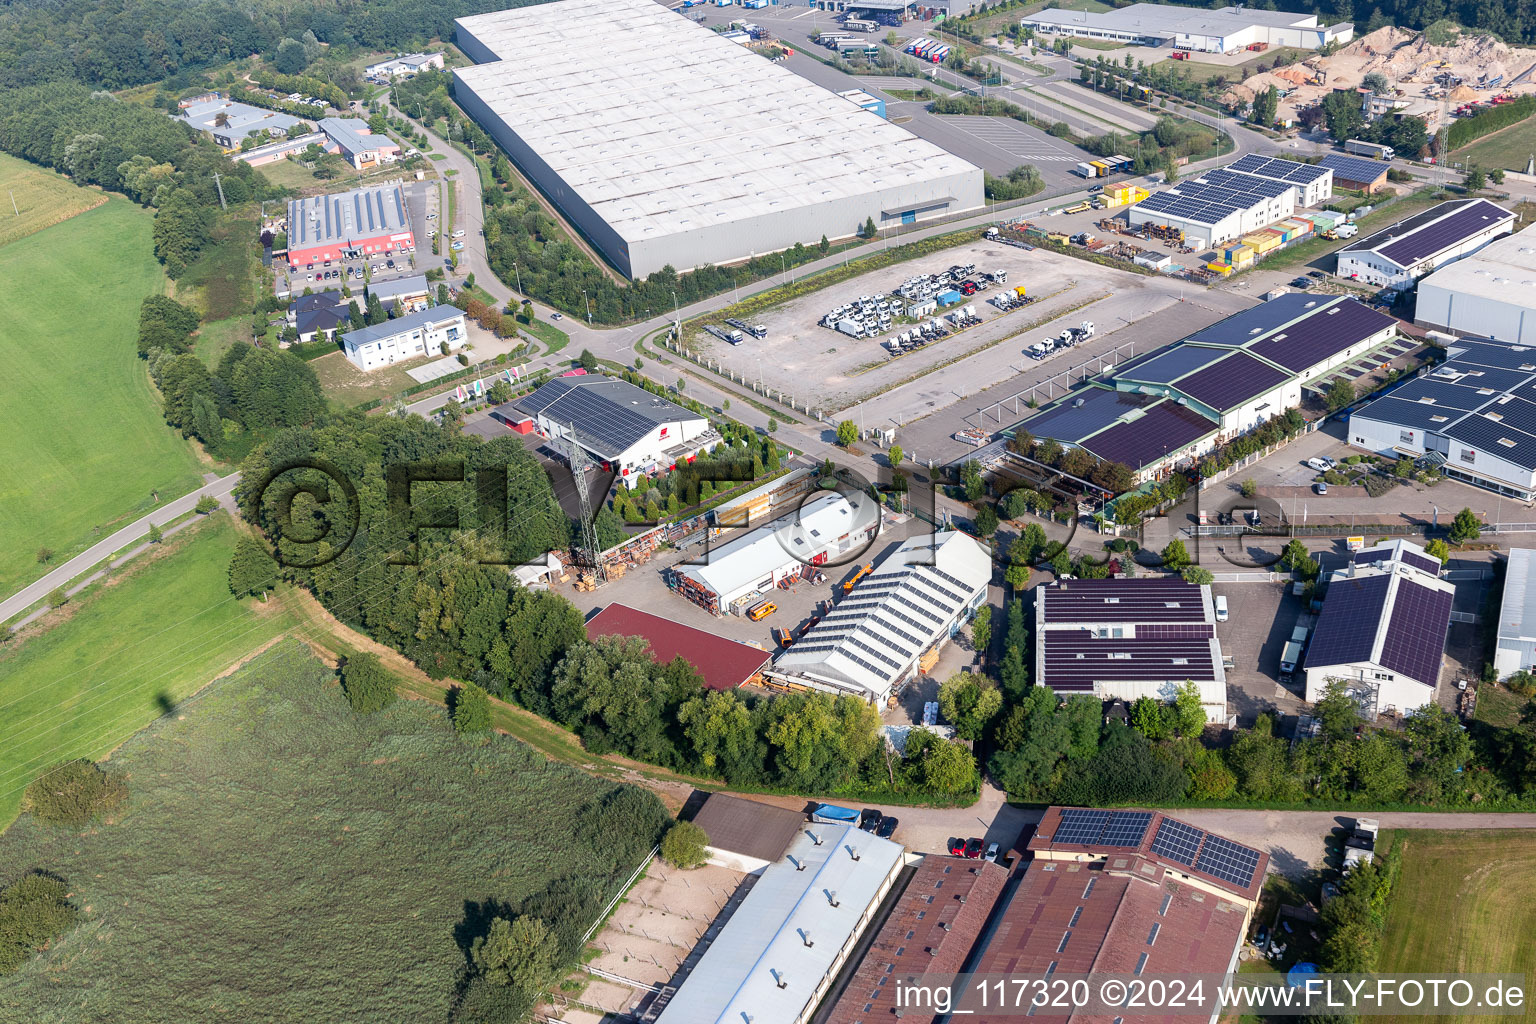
x=1224 y=30
x=765 y=502
x=228 y=122
x=1397 y=256
x=872 y=642
x=359 y=222
x=780 y=951
x=1516 y=649
x=1382 y=629
x=281 y=149
x=404 y=64
x=1120 y=893
x=723 y=663
x=416 y=334
x=669 y=146
x=1178 y=402
x=1130 y=638
x=1471 y=418
x=1217 y=207
x=1489 y=294
x=745 y=835
x=931 y=929
x=1314 y=182
x=1356 y=173
x=624 y=428
x=731 y=577
x=356 y=143
x=402 y=294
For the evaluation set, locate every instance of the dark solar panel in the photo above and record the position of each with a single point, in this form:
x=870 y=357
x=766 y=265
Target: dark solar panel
x=1141 y=600
x=1080 y=827
x=1444 y=233
x=1166 y=428
x=1177 y=841
x=1232 y=381
x=1075 y=661
x=1346 y=628
x=1415 y=640
x=1424 y=562
x=1171 y=364
x=1126 y=828
x=1323 y=332
x=1354 y=168
x=1496 y=439
x=1083 y=412
x=1228 y=861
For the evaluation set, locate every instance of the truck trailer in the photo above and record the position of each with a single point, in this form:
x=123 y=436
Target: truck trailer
x=1374 y=150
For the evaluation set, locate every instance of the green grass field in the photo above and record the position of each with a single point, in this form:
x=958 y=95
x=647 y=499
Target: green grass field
x=1466 y=902
x=1510 y=149
x=41 y=199
x=80 y=426
x=1200 y=71
x=281 y=858
x=214 y=339
x=155 y=631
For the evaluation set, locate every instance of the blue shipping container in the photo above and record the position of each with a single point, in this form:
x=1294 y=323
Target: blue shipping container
x=950 y=298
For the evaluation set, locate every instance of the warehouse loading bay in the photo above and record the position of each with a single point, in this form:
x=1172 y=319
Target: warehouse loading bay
x=831 y=370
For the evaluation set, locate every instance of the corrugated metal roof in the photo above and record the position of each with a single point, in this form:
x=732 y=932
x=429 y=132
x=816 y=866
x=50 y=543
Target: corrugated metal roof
x=724 y=663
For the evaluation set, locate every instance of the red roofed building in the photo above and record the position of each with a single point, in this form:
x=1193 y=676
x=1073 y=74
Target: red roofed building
x=932 y=927
x=724 y=663
x=1124 y=892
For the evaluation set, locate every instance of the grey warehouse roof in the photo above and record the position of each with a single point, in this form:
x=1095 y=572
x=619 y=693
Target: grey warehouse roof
x=662 y=127
x=362 y=213
x=1164 y=20
x=1504 y=270
x=609 y=416
x=351 y=135
x=389 y=328
x=384 y=291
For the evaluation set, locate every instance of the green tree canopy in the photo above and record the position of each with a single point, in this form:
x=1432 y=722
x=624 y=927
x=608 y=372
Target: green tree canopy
x=684 y=846
x=368 y=686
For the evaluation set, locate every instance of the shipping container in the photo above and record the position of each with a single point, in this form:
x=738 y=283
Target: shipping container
x=1087 y=170
x=1219 y=267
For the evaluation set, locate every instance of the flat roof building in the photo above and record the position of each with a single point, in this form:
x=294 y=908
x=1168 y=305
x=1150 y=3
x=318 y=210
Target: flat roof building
x=1130 y=638
x=1489 y=294
x=1397 y=256
x=415 y=334
x=786 y=942
x=356 y=143
x=410 y=293
x=1516 y=649
x=728 y=578
x=1382 y=629
x=723 y=663
x=625 y=428
x=1125 y=893
x=405 y=64
x=932 y=928
x=281 y=149
x=228 y=122
x=667 y=145
x=371 y=219
x=870 y=644
x=1219 y=31
x=1474 y=418
x=746 y=835
x=1218 y=206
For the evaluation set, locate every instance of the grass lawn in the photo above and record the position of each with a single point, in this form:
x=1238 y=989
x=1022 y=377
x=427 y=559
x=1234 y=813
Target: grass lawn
x=1466 y=902
x=288 y=174
x=349 y=386
x=553 y=337
x=1498 y=707
x=214 y=339
x=280 y=856
x=42 y=198
x=1199 y=71
x=222 y=280
x=151 y=634
x=1510 y=149
x=902 y=94
x=1097 y=44
x=80 y=426
x=437 y=156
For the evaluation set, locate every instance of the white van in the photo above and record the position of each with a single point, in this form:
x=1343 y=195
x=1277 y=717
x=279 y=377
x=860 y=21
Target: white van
x=1318 y=464
x=1221 y=608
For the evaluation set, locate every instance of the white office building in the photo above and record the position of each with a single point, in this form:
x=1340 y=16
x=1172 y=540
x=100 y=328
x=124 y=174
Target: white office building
x=776 y=957
x=406 y=337
x=1217 y=206
x=1225 y=30
x=1397 y=256
x=670 y=146
x=405 y=64
x=915 y=599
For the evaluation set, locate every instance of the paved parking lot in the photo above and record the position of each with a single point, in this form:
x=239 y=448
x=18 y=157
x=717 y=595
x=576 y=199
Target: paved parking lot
x=1029 y=145
x=423 y=201
x=1261 y=617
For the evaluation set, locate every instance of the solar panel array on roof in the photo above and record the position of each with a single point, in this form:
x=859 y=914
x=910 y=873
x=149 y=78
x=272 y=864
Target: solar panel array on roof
x=1415 y=640
x=1502 y=438
x=1227 y=860
x=1081 y=827
x=1075 y=660
x=1177 y=841
x=1170 y=364
x=1354 y=168
x=1326 y=329
x=1165 y=428
x=1269 y=188
x=609 y=416
x=1124 y=600
x=1084 y=412
x=1346 y=629
x=1286 y=170
x=1475 y=217
x=1232 y=381
x=1398 y=552
x=1126 y=828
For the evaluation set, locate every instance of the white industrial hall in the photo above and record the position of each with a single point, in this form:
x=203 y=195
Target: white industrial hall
x=668 y=145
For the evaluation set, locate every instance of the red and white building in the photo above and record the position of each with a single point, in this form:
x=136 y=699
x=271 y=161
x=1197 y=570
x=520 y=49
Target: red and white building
x=361 y=222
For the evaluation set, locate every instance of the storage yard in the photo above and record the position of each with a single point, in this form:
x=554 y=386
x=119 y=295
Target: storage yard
x=824 y=365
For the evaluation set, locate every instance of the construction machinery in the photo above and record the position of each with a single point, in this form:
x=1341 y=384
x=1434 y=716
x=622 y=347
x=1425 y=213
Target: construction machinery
x=853 y=581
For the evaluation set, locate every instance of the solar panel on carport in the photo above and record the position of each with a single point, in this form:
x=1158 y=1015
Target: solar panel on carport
x=1346 y=628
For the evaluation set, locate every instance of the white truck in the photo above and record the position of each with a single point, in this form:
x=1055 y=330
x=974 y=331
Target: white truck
x=1360 y=846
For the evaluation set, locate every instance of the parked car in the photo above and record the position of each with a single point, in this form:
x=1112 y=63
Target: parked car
x=1317 y=274
x=869 y=819
x=956 y=847
x=1318 y=464
x=1320 y=487
x=1302 y=283
x=991 y=854
x=973 y=848
x=557 y=316
x=887 y=827
x=457 y=246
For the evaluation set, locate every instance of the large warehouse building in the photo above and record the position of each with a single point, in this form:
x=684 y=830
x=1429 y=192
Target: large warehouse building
x=1397 y=256
x=668 y=145
x=1516 y=650
x=1490 y=294
x=871 y=642
x=1382 y=629
x=625 y=428
x=780 y=951
x=1179 y=401
x=1472 y=417
x=364 y=220
x=1130 y=638
x=1220 y=31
